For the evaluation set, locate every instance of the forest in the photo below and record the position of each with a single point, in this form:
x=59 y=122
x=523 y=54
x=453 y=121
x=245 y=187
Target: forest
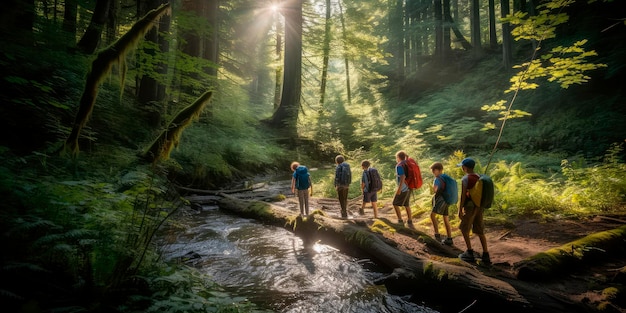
x=111 y=109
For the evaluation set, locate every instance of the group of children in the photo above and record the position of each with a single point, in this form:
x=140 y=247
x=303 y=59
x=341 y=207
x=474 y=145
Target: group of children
x=469 y=214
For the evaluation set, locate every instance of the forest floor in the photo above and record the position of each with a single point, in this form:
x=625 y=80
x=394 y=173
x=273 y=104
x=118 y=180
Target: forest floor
x=507 y=244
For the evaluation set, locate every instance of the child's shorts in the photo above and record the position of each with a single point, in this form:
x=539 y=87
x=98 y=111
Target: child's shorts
x=370 y=197
x=440 y=206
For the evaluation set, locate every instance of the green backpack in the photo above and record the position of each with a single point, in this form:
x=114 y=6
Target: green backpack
x=483 y=192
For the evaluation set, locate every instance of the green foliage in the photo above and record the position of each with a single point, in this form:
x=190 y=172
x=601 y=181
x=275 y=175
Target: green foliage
x=565 y=65
x=184 y=289
x=583 y=189
x=596 y=187
x=70 y=238
x=233 y=150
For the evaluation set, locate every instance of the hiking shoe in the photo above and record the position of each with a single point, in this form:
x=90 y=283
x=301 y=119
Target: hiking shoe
x=400 y=221
x=486 y=259
x=409 y=222
x=438 y=237
x=467 y=256
x=447 y=241
x=361 y=212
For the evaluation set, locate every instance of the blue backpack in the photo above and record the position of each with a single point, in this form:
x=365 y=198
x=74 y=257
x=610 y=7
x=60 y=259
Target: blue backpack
x=302 y=177
x=450 y=190
x=345 y=174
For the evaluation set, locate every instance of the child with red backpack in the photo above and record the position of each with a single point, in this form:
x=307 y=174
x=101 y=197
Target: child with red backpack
x=403 y=193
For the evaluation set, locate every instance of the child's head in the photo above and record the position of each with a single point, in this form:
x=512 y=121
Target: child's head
x=365 y=164
x=436 y=168
x=294 y=165
x=401 y=155
x=469 y=163
x=339 y=159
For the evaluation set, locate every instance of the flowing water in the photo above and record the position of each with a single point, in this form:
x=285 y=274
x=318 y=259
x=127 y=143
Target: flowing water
x=270 y=267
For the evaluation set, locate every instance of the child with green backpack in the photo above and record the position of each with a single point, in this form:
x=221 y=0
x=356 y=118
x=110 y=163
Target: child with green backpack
x=471 y=213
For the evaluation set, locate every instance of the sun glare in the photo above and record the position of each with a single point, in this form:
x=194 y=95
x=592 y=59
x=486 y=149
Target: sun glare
x=274 y=7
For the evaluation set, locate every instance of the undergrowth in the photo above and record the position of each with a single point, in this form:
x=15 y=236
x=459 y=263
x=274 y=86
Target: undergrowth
x=77 y=242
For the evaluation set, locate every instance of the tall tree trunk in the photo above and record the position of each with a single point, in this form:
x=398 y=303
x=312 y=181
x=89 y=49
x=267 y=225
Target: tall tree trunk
x=422 y=41
x=396 y=35
x=507 y=54
x=70 y=15
x=150 y=92
x=346 y=60
x=447 y=25
x=413 y=10
x=192 y=45
x=459 y=36
x=519 y=6
x=91 y=38
x=112 y=18
x=278 y=85
x=326 y=52
x=426 y=17
x=493 y=39
x=17 y=19
x=406 y=47
x=286 y=116
x=475 y=26
x=455 y=10
x=211 y=51
x=439 y=54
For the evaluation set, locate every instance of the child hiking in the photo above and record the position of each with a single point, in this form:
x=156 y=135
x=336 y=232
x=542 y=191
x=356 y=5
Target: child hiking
x=439 y=204
x=370 y=185
x=300 y=185
x=403 y=193
x=343 y=178
x=471 y=215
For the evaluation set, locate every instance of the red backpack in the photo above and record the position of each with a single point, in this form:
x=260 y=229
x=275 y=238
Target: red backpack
x=413 y=175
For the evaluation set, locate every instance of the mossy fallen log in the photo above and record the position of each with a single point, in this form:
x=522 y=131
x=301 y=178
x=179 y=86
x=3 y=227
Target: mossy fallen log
x=573 y=255
x=426 y=280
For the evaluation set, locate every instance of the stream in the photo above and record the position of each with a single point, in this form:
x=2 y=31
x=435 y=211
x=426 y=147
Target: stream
x=272 y=268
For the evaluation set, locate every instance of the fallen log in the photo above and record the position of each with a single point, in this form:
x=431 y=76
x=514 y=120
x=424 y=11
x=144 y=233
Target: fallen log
x=217 y=192
x=570 y=256
x=427 y=280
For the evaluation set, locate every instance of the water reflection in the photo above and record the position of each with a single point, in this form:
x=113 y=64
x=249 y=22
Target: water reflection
x=276 y=271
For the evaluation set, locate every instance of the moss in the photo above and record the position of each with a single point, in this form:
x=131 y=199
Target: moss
x=361 y=238
x=564 y=258
x=261 y=209
x=430 y=270
x=319 y=212
x=380 y=227
x=610 y=293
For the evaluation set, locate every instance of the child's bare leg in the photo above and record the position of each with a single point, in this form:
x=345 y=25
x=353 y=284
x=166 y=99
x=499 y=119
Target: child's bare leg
x=375 y=208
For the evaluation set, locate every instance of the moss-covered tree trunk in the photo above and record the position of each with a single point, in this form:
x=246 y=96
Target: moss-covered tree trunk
x=161 y=148
x=101 y=67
